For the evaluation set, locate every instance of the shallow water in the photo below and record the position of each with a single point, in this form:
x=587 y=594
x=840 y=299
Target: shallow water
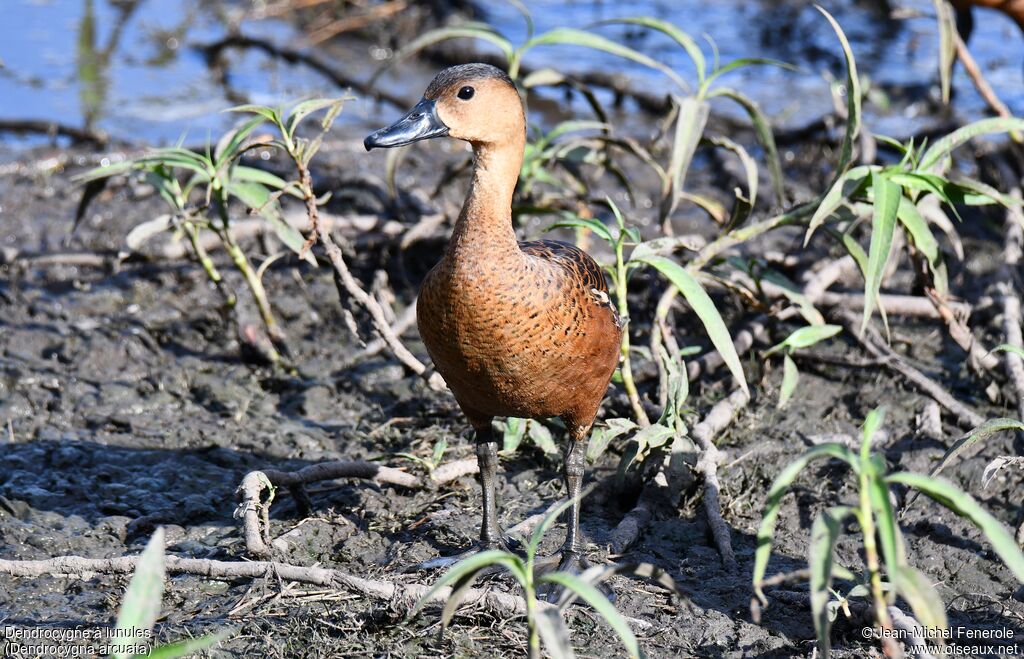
x=132 y=69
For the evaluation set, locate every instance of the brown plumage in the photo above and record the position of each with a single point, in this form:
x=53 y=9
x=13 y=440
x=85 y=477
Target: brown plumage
x=516 y=329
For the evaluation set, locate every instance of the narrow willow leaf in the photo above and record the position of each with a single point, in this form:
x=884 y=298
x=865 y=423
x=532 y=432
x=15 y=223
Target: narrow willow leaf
x=961 y=503
x=854 y=249
x=765 y=136
x=925 y=243
x=512 y=434
x=712 y=207
x=1006 y=347
x=571 y=221
x=187 y=648
x=749 y=166
x=790 y=377
x=464 y=31
x=743 y=62
x=471 y=565
x=964 y=190
x=141 y=604
x=825 y=531
x=947 y=45
x=141 y=233
x=968 y=440
x=705 y=309
x=232 y=141
x=554 y=633
x=544 y=78
x=255 y=175
x=853 y=95
x=306 y=108
x=540 y=435
x=773 y=503
x=682 y=38
x=934 y=157
x=885 y=518
x=915 y=587
x=604 y=608
x=270 y=114
x=843 y=187
x=883 y=223
x=806 y=337
x=553 y=514
x=569 y=36
x=690 y=122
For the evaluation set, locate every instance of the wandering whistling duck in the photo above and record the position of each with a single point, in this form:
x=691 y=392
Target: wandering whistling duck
x=517 y=329
x=965 y=19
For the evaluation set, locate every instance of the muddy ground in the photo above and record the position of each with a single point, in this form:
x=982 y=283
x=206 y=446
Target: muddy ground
x=125 y=404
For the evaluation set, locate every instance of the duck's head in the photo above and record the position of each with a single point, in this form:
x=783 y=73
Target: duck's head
x=477 y=103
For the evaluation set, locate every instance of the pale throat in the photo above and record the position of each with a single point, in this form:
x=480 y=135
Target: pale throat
x=485 y=223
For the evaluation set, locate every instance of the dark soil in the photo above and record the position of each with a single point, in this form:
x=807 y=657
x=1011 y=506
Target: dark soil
x=128 y=405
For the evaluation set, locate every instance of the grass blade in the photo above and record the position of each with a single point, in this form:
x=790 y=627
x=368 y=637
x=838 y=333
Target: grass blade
x=835 y=196
x=790 y=377
x=464 y=31
x=765 y=136
x=773 y=503
x=472 y=565
x=188 y=647
x=825 y=531
x=915 y=587
x=941 y=149
x=569 y=36
x=677 y=35
x=925 y=242
x=596 y=599
x=705 y=309
x=947 y=45
x=141 y=604
x=852 y=96
x=964 y=505
x=883 y=222
x=573 y=221
x=805 y=337
x=554 y=633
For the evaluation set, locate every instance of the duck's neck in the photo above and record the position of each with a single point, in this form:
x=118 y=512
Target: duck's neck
x=485 y=223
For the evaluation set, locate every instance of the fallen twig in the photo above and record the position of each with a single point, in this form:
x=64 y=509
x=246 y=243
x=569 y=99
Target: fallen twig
x=1007 y=291
x=53 y=129
x=717 y=419
x=405 y=595
x=874 y=345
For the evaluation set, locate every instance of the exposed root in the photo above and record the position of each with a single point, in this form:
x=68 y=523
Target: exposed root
x=877 y=348
x=404 y=595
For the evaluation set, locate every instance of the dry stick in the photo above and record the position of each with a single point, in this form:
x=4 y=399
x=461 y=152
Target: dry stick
x=632 y=525
x=980 y=83
x=874 y=345
x=405 y=594
x=255 y=513
x=53 y=129
x=717 y=419
x=1006 y=288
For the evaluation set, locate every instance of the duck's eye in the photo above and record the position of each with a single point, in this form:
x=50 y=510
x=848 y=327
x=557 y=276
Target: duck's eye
x=466 y=93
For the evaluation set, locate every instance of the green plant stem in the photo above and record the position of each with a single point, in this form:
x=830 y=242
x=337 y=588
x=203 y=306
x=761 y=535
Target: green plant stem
x=259 y=293
x=743 y=234
x=531 y=617
x=626 y=369
x=867 y=524
x=212 y=273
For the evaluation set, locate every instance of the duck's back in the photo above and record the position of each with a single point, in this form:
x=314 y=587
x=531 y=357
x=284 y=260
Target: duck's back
x=528 y=333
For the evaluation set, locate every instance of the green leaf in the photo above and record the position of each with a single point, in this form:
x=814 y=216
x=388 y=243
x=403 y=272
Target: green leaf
x=947 y=45
x=569 y=36
x=888 y=533
x=546 y=523
x=471 y=565
x=554 y=633
x=947 y=495
x=941 y=149
x=749 y=167
x=270 y=114
x=925 y=242
x=306 y=108
x=257 y=197
x=572 y=221
x=141 y=604
x=825 y=531
x=971 y=438
x=883 y=223
x=773 y=503
x=853 y=95
x=261 y=176
x=806 y=337
x=661 y=247
x=187 y=647
x=844 y=186
x=541 y=436
x=689 y=127
x=602 y=436
x=765 y=136
x=604 y=608
x=141 y=233
x=705 y=309
x=1006 y=347
x=231 y=143
x=677 y=35
x=790 y=376
x=464 y=31
x=512 y=434
x=915 y=587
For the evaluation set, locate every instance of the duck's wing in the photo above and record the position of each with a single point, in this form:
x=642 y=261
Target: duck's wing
x=581 y=267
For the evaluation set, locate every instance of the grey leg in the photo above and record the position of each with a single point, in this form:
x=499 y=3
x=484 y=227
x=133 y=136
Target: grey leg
x=487 y=457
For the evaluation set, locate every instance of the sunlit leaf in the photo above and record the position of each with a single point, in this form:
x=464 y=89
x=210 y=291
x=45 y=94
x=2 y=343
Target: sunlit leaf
x=939 y=151
x=141 y=604
x=883 y=223
x=790 y=377
x=806 y=337
x=677 y=35
x=825 y=531
x=705 y=309
x=596 y=599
